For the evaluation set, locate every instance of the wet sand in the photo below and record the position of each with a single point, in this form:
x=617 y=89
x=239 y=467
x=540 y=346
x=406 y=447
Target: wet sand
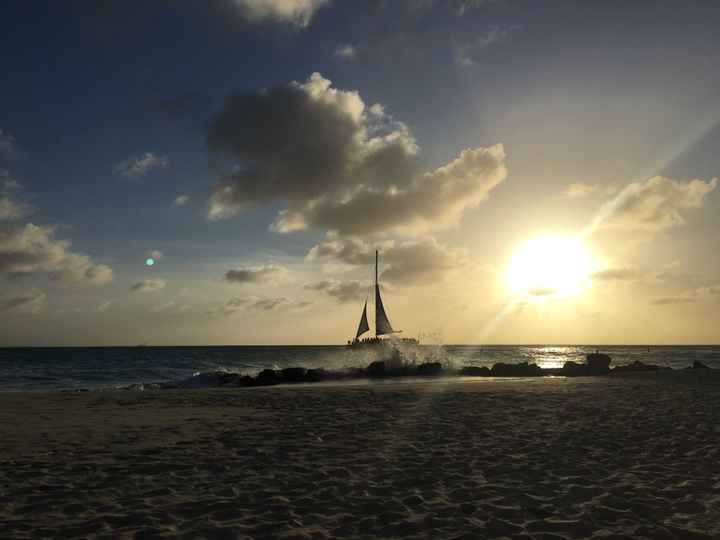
x=552 y=458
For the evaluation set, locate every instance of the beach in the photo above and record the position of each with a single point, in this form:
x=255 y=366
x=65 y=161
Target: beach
x=635 y=456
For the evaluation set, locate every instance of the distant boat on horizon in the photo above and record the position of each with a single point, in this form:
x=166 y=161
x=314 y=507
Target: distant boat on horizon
x=382 y=323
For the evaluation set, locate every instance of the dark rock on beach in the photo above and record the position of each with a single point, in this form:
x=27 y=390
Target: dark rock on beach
x=475 y=371
x=376 y=369
x=637 y=365
x=522 y=369
x=293 y=374
x=697 y=364
x=574 y=369
x=315 y=375
x=429 y=368
x=267 y=377
x=598 y=363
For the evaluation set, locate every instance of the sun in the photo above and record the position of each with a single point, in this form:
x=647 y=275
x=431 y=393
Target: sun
x=550 y=267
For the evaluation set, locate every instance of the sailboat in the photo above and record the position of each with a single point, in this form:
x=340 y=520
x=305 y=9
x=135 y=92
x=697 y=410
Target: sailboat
x=382 y=323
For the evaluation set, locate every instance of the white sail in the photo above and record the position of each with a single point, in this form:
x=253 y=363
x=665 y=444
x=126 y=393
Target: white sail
x=382 y=323
x=363 y=326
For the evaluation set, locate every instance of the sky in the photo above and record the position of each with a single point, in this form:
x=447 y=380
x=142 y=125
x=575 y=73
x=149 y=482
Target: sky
x=530 y=172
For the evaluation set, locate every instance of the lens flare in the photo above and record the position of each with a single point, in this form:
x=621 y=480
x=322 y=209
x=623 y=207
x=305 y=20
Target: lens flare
x=149 y=261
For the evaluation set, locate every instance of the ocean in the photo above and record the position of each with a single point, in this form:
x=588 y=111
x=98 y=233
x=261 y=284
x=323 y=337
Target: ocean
x=67 y=368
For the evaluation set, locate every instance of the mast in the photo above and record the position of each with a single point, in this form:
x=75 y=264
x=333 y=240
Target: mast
x=382 y=323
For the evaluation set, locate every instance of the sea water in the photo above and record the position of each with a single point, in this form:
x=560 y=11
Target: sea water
x=108 y=367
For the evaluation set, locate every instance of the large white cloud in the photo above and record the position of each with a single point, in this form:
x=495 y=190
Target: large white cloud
x=655 y=204
x=30 y=249
x=339 y=165
x=298 y=12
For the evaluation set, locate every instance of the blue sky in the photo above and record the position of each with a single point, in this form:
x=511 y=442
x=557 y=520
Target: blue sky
x=597 y=95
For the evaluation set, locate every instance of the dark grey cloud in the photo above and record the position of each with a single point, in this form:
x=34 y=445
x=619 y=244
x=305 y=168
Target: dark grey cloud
x=338 y=164
x=32 y=302
x=417 y=262
x=342 y=291
x=152 y=284
x=256 y=274
x=31 y=249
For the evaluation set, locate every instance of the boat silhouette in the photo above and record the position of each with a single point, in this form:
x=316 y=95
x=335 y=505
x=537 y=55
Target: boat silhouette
x=385 y=335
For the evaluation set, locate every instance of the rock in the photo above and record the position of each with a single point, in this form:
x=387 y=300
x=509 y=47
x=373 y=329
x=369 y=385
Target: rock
x=315 y=375
x=245 y=380
x=697 y=364
x=224 y=378
x=267 y=377
x=293 y=374
x=376 y=369
x=475 y=371
x=573 y=369
x=430 y=368
x=598 y=363
x=637 y=365
x=522 y=369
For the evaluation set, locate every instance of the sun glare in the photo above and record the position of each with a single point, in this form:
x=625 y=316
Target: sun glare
x=550 y=267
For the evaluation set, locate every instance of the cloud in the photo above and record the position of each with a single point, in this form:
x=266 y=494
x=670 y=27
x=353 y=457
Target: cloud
x=148 y=285
x=617 y=274
x=297 y=12
x=693 y=296
x=674 y=300
x=342 y=291
x=28 y=249
x=8 y=148
x=468 y=54
x=712 y=290
x=10 y=209
x=579 y=189
x=542 y=291
x=256 y=274
x=656 y=204
x=236 y=304
x=415 y=262
x=141 y=165
x=182 y=200
x=339 y=165
x=33 y=302
x=345 y=52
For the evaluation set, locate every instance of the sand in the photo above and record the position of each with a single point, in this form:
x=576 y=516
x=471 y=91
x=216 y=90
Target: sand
x=550 y=458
